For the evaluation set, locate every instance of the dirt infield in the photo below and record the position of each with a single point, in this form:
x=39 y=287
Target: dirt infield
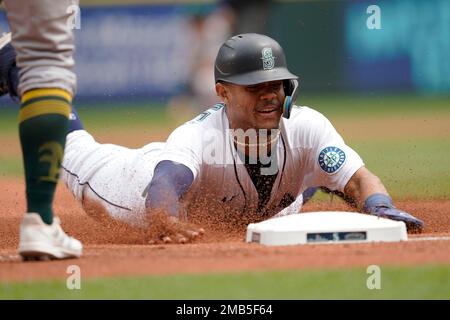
x=110 y=251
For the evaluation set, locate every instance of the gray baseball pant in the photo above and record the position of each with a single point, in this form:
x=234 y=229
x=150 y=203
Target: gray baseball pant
x=43 y=39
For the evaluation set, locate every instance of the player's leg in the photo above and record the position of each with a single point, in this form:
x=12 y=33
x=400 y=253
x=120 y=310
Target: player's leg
x=109 y=180
x=44 y=45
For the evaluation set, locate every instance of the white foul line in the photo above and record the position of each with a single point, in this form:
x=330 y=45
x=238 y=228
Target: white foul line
x=429 y=239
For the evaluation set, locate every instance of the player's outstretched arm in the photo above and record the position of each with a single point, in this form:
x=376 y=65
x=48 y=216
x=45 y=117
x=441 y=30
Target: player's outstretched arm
x=371 y=196
x=167 y=218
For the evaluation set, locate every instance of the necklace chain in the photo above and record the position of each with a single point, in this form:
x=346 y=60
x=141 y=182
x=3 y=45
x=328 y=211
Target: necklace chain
x=264 y=144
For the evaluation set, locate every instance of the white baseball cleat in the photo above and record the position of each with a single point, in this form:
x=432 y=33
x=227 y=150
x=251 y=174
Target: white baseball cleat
x=40 y=241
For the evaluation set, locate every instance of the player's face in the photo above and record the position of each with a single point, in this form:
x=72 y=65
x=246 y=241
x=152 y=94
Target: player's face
x=256 y=106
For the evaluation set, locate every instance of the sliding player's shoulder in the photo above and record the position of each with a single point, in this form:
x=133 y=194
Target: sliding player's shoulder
x=209 y=118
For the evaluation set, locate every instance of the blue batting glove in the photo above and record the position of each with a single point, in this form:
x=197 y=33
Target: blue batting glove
x=381 y=205
x=309 y=193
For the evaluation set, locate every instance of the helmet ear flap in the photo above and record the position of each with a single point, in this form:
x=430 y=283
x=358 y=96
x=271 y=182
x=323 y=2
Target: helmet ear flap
x=290 y=91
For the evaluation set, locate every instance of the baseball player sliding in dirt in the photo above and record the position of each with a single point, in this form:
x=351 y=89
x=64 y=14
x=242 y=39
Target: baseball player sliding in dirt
x=247 y=159
x=44 y=42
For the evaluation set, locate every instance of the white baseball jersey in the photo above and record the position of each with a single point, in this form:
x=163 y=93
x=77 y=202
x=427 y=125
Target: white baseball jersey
x=309 y=153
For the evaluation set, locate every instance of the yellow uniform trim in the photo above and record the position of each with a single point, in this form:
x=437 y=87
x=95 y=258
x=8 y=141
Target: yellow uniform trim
x=44 y=107
x=37 y=93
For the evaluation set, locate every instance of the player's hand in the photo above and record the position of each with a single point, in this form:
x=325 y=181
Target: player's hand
x=413 y=224
x=165 y=229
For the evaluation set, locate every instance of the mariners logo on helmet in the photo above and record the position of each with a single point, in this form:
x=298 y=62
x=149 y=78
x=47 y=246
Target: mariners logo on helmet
x=331 y=159
x=267 y=58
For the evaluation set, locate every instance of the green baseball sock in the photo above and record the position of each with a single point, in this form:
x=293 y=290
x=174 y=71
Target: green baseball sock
x=43 y=124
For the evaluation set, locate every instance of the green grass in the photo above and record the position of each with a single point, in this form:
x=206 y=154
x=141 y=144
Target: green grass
x=97 y=116
x=425 y=282
x=123 y=116
x=8 y=122
x=354 y=106
x=101 y=117
x=410 y=169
